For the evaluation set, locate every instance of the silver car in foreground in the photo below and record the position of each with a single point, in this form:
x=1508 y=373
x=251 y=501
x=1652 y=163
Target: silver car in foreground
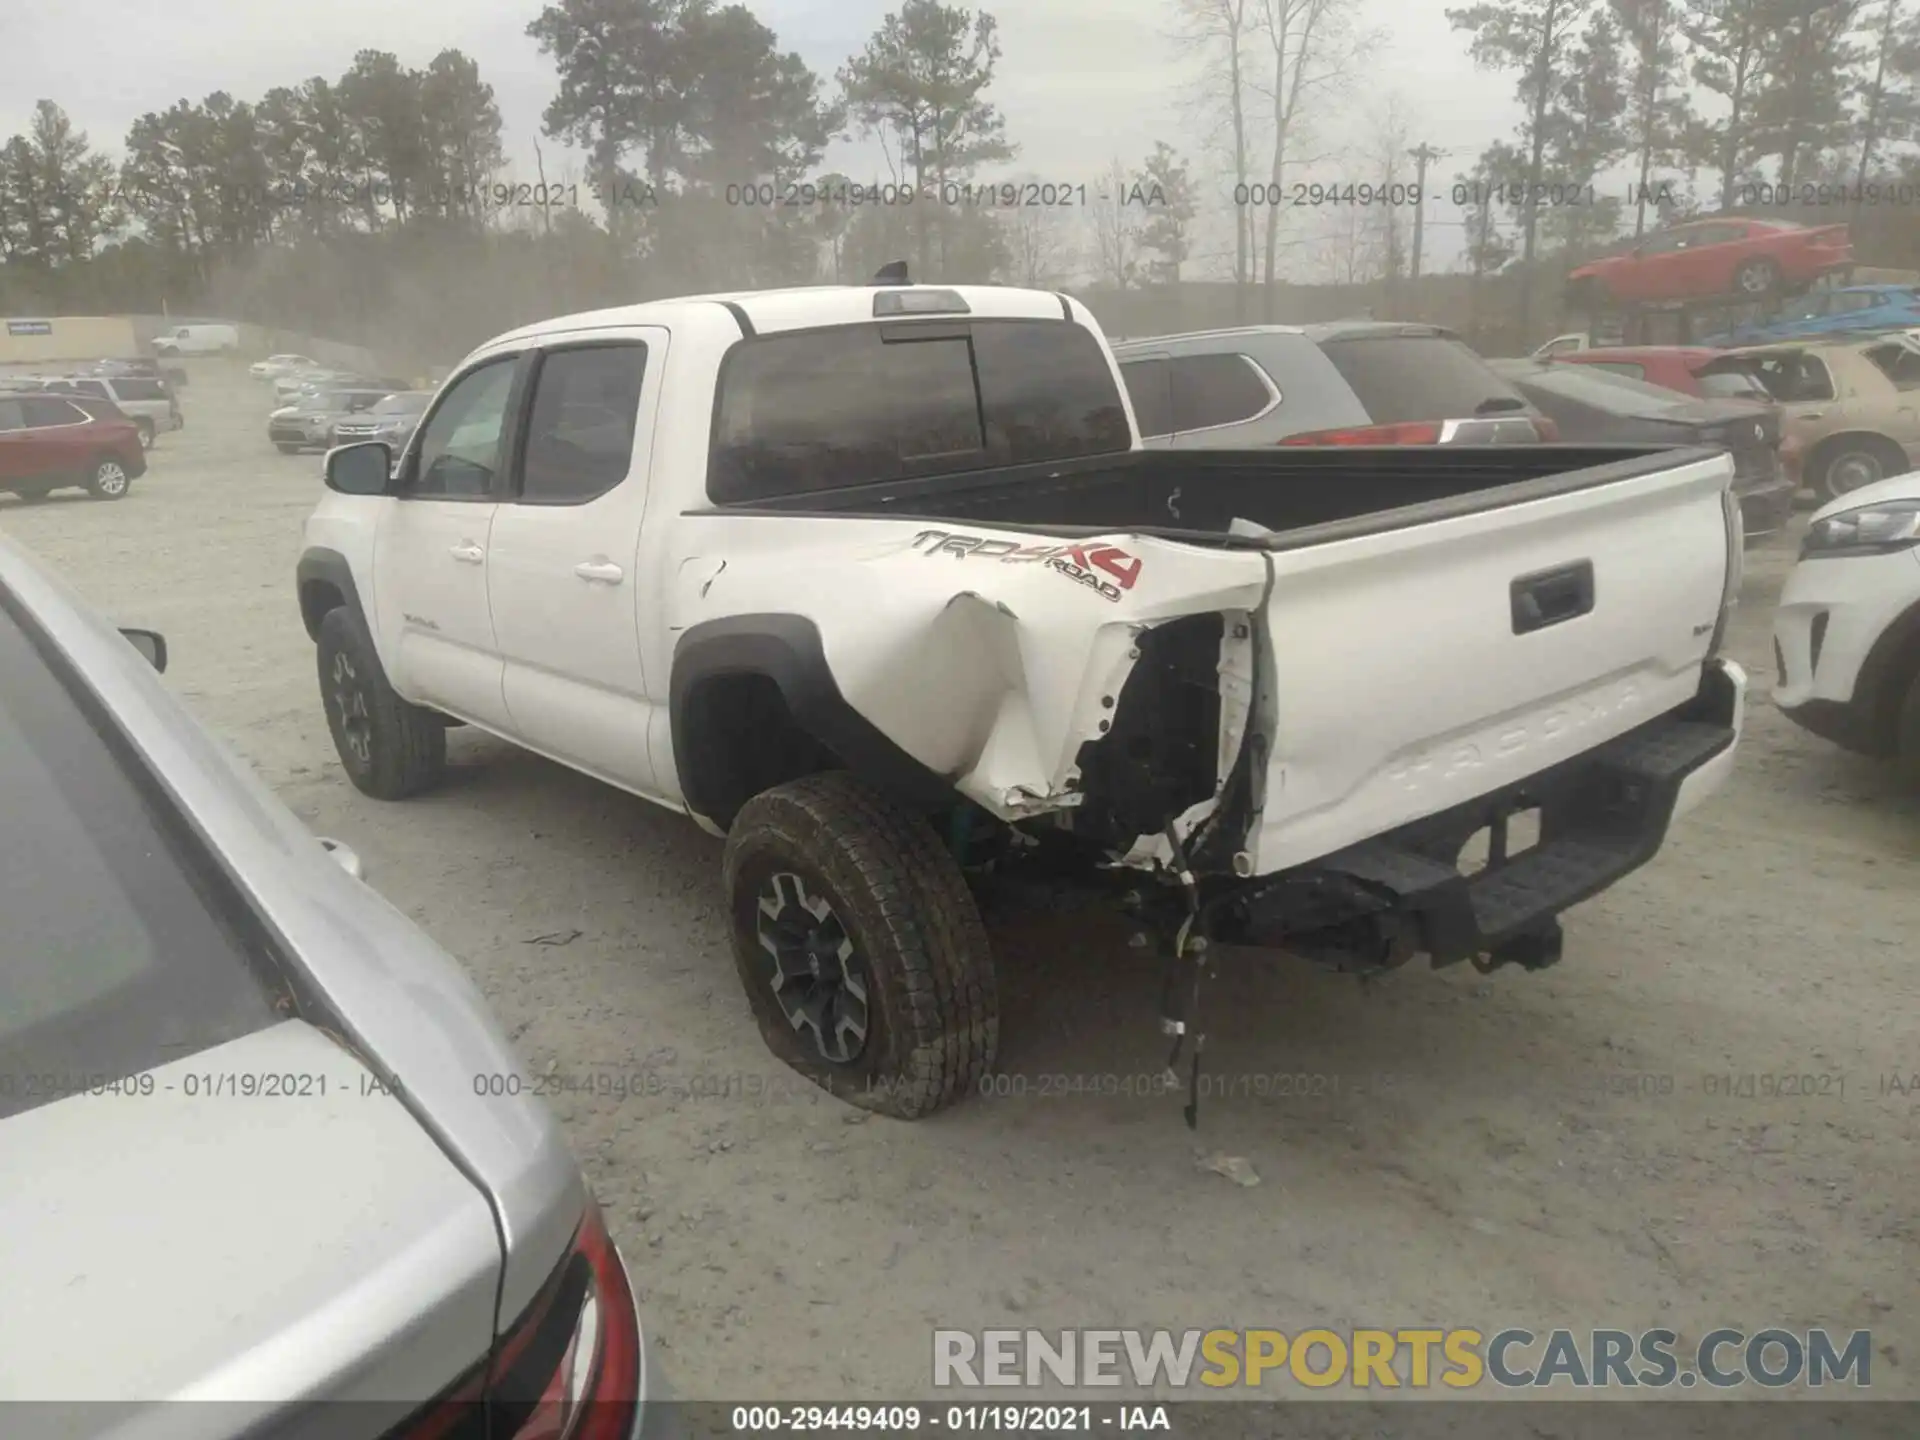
x=261 y=1141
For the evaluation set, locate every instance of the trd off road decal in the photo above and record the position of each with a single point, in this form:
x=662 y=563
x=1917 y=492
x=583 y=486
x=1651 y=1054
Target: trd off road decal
x=1106 y=570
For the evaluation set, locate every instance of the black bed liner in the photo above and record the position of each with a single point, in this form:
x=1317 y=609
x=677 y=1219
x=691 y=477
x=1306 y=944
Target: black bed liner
x=1308 y=496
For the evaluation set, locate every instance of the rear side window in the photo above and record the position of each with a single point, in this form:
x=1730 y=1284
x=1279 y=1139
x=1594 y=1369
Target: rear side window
x=1732 y=385
x=13 y=415
x=1790 y=378
x=118 y=958
x=141 y=389
x=93 y=388
x=1402 y=378
x=1150 y=388
x=47 y=410
x=586 y=403
x=856 y=405
x=1214 y=390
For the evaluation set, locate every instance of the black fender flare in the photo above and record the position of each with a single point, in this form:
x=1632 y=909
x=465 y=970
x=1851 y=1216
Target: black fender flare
x=786 y=649
x=320 y=571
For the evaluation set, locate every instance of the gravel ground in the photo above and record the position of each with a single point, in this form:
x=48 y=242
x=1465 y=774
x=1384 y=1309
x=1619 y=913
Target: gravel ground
x=1445 y=1149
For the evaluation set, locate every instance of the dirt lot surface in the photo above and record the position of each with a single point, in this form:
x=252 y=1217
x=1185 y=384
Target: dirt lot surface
x=1548 y=1150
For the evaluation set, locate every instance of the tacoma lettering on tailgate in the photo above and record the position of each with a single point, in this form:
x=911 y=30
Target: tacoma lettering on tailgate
x=1107 y=570
x=1454 y=757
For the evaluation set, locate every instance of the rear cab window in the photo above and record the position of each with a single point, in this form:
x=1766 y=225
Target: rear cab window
x=1405 y=378
x=804 y=411
x=120 y=956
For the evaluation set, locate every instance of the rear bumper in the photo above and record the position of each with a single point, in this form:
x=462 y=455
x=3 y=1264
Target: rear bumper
x=1602 y=815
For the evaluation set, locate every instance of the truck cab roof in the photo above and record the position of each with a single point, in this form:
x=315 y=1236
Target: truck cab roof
x=806 y=307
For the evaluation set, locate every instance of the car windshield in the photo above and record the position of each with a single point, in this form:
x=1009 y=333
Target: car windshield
x=117 y=957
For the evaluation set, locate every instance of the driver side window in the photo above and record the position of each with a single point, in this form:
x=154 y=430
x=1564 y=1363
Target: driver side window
x=459 y=448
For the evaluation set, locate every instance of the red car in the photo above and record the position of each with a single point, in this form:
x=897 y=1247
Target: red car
x=48 y=442
x=1704 y=259
x=1692 y=370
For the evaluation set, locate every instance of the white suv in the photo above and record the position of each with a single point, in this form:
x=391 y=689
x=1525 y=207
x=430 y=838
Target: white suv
x=1847 y=634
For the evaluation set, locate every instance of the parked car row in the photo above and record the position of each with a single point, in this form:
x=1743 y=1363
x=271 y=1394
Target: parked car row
x=1591 y=405
x=52 y=442
x=1726 y=255
x=326 y=416
x=146 y=400
x=1849 y=407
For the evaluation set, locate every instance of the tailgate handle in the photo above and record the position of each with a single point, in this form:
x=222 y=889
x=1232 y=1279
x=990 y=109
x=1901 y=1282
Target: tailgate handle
x=1549 y=597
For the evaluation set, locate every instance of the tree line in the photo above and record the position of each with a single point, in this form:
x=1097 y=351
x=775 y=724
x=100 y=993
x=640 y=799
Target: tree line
x=380 y=198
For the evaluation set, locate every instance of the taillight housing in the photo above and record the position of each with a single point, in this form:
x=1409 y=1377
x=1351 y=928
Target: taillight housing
x=569 y=1368
x=1417 y=432
x=1546 y=429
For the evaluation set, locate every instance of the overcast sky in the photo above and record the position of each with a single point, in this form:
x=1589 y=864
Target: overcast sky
x=1081 y=80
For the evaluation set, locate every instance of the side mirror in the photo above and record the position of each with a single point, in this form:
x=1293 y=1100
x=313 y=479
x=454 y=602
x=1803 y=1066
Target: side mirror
x=362 y=469
x=151 y=644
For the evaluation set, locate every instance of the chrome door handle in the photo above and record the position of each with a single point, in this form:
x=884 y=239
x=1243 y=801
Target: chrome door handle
x=603 y=571
x=467 y=553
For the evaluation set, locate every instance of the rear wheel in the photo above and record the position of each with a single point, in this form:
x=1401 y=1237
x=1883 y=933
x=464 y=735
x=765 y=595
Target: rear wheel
x=108 y=480
x=1853 y=461
x=1757 y=278
x=389 y=748
x=860 y=947
x=33 y=492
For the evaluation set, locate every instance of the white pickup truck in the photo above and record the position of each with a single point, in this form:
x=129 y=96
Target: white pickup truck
x=879 y=584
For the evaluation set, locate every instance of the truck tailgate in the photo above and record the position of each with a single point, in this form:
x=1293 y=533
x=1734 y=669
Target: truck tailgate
x=1419 y=667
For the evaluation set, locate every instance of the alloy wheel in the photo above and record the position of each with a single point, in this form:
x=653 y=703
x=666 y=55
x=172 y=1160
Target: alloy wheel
x=813 y=968
x=350 y=704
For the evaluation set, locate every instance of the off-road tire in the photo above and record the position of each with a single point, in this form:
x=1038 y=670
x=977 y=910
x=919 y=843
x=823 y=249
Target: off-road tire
x=406 y=746
x=934 y=1015
x=146 y=431
x=107 y=479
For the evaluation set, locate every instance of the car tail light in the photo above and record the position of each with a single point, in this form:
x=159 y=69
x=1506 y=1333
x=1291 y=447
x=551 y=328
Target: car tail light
x=569 y=1368
x=1421 y=432
x=1545 y=428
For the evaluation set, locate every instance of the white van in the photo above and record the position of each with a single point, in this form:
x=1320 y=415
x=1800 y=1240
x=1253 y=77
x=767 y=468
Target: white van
x=197 y=340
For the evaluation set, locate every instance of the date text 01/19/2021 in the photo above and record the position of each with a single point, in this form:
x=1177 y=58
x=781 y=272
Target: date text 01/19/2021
x=962 y=1419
